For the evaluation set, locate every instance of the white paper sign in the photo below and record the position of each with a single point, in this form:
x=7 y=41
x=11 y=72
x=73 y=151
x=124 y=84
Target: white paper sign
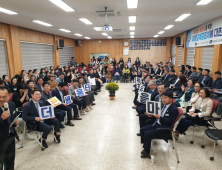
x=141 y=88
x=87 y=87
x=67 y=99
x=80 y=92
x=92 y=82
x=153 y=107
x=143 y=97
x=46 y=112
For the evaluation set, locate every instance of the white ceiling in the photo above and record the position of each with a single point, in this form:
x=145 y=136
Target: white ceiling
x=152 y=16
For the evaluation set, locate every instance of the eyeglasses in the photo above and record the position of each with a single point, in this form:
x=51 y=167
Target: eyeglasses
x=196 y=86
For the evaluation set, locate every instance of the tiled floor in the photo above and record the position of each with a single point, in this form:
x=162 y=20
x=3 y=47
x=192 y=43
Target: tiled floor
x=106 y=140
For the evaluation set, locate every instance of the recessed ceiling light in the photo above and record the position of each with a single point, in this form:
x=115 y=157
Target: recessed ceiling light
x=156 y=36
x=168 y=27
x=132 y=3
x=42 y=23
x=78 y=34
x=7 y=11
x=64 y=30
x=132 y=27
x=203 y=2
x=109 y=37
x=87 y=38
x=132 y=33
x=62 y=5
x=86 y=21
x=161 y=32
x=182 y=17
x=131 y=36
x=105 y=34
x=132 y=19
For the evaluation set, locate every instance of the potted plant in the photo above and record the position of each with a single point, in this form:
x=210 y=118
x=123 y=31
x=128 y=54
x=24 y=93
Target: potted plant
x=112 y=87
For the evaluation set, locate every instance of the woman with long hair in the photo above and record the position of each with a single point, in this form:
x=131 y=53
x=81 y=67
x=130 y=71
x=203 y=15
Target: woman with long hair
x=129 y=62
x=125 y=72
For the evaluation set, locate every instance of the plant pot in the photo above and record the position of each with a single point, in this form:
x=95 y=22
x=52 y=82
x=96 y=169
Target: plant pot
x=112 y=94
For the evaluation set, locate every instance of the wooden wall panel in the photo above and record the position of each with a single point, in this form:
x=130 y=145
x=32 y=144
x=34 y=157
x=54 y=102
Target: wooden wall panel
x=217 y=59
x=198 y=57
x=168 y=49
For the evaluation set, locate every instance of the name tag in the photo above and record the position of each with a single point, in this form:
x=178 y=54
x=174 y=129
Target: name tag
x=166 y=114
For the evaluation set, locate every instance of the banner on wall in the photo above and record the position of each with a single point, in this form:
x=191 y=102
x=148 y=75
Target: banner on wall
x=207 y=34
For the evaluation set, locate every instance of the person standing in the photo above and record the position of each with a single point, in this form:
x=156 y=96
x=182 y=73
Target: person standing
x=7 y=133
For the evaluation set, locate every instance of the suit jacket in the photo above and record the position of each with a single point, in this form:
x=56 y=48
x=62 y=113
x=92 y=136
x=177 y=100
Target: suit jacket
x=207 y=82
x=158 y=98
x=207 y=106
x=217 y=84
x=37 y=86
x=167 y=120
x=155 y=93
x=192 y=75
x=157 y=71
x=170 y=80
x=30 y=113
x=151 y=71
x=147 y=88
x=44 y=98
x=4 y=125
x=7 y=84
x=197 y=77
x=55 y=93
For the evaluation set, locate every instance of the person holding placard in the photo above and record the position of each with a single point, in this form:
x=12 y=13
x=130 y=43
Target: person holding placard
x=169 y=113
x=32 y=116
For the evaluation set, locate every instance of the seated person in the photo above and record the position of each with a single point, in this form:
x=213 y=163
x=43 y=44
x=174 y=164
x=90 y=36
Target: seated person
x=2 y=83
x=199 y=74
x=5 y=79
x=68 y=78
x=61 y=77
x=60 y=93
x=39 y=84
x=203 y=107
x=53 y=83
x=217 y=86
x=31 y=116
x=31 y=87
x=165 y=77
x=141 y=109
x=188 y=72
x=14 y=85
x=21 y=95
x=206 y=80
x=181 y=85
x=45 y=95
x=117 y=73
x=86 y=81
x=125 y=72
x=148 y=119
x=98 y=81
x=169 y=113
x=193 y=74
x=81 y=102
x=171 y=78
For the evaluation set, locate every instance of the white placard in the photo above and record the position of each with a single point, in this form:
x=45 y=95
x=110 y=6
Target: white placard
x=80 y=92
x=92 y=82
x=153 y=107
x=67 y=99
x=143 y=97
x=46 y=112
x=87 y=87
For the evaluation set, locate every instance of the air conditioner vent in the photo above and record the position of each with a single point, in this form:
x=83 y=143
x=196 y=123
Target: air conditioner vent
x=118 y=30
x=110 y=13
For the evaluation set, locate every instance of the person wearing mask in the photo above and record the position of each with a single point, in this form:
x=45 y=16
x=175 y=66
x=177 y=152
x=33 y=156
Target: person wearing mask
x=45 y=95
x=202 y=108
x=60 y=93
x=117 y=73
x=206 y=80
x=137 y=62
x=199 y=74
x=60 y=79
x=14 y=85
x=31 y=87
x=7 y=133
x=125 y=72
x=5 y=79
x=148 y=119
x=31 y=115
x=47 y=76
x=73 y=62
x=193 y=74
x=68 y=78
x=169 y=113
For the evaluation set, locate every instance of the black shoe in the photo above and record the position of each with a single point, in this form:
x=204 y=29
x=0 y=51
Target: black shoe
x=62 y=126
x=143 y=151
x=57 y=138
x=133 y=107
x=138 y=134
x=44 y=144
x=93 y=104
x=95 y=93
x=145 y=155
x=137 y=115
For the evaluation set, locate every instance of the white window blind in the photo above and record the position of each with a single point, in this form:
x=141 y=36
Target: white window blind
x=207 y=57
x=190 y=56
x=36 y=56
x=65 y=55
x=173 y=53
x=180 y=56
x=3 y=59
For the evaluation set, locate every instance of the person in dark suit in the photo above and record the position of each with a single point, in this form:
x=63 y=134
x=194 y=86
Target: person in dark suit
x=218 y=82
x=188 y=72
x=45 y=95
x=7 y=133
x=169 y=113
x=31 y=87
x=148 y=119
x=154 y=92
x=198 y=75
x=31 y=116
x=150 y=69
x=171 y=79
x=166 y=77
x=60 y=93
x=206 y=80
x=39 y=84
x=157 y=71
x=5 y=79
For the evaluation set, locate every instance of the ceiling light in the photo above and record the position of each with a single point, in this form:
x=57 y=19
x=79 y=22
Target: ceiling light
x=42 y=23
x=78 y=34
x=203 y=2
x=132 y=3
x=132 y=33
x=161 y=32
x=7 y=11
x=109 y=37
x=132 y=19
x=62 y=5
x=64 y=30
x=156 y=36
x=182 y=17
x=131 y=36
x=132 y=27
x=87 y=38
x=168 y=27
x=86 y=21
x=105 y=34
